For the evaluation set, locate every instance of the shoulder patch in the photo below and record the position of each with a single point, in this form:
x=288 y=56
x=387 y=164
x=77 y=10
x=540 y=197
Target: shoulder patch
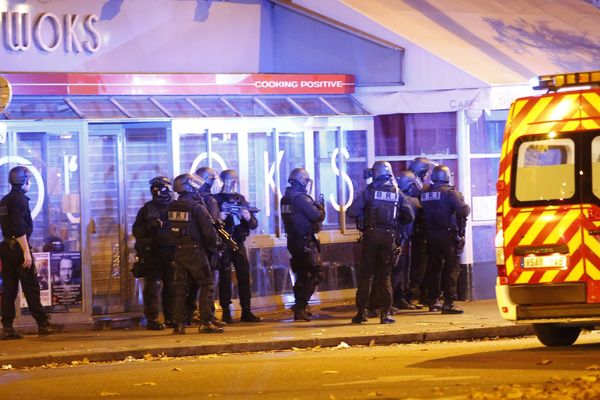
x=286 y=208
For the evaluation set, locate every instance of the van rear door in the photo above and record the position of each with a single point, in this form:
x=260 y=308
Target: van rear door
x=591 y=209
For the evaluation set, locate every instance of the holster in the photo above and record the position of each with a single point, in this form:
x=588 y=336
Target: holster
x=312 y=248
x=138 y=269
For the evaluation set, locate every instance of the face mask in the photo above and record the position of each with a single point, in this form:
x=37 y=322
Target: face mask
x=217 y=186
x=309 y=186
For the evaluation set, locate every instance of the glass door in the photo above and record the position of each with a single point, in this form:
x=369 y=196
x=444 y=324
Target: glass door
x=107 y=235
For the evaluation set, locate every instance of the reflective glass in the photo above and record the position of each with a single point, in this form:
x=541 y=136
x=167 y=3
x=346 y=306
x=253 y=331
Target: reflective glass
x=261 y=172
x=38 y=108
x=178 y=107
x=213 y=107
x=53 y=159
x=140 y=107
x=313 y=106
x=97 y=107
x=248 y=107
x=486 y=133
x=345 y=105
x=280 y=106
x=193 y=152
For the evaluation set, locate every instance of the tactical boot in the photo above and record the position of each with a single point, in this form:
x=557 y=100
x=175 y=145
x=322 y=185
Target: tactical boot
x=9 y=333
x=48 y=328
x=154 y=325
x=308 y=311
x=169 y=323
x=417 y=305
x=248 y=316
x=435 y=306
x=179 y=329
x=405 y=305
x=216 y=322
x=210 y=327
x=226 y=317
x=450 y=308
x=300 y=314
x=386 y=318
x=360 y=317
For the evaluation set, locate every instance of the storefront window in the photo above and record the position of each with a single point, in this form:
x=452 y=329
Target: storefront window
x=193 y=150
x=340 y=158
x=291 y=149
x=261 y=172
x=53 y=159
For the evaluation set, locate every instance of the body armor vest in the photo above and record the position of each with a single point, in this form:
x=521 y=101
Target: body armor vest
x=382 y=206
x=158 y=213
x=184 y=229
x=437 y=208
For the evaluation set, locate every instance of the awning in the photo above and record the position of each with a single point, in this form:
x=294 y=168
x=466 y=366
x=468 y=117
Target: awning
x=471 y=53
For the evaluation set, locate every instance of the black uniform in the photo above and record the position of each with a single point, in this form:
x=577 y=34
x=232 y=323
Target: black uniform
x=193 y=234
x=400 y=273
x=15 y=220
x=191 y=301
x=302 y=218
x=444 y=209
x=239 y=229
x=382 y=207
x=154 y=246
x=417 y=290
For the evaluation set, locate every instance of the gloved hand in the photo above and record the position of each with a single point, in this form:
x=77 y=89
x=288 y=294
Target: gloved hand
x=459 y=245
x=245 y=214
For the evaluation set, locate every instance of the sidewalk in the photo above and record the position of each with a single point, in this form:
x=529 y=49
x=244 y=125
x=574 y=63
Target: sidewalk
x=330 y=326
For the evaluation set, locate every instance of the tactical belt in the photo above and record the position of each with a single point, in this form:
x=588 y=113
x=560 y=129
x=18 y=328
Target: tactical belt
x=11 y=241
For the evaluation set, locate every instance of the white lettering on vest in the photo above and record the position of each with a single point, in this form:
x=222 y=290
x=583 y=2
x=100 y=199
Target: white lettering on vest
x=179 y=216
x=431 y=196
x=386 y=196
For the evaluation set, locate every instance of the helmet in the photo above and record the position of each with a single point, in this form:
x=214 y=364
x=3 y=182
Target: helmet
x=406 y=181
x=187 y=183
x=18 y=176
x=420 y=166
x=230 y=179
x=208 y=174
x=161 y=188
x=299 y=177
x=381 y=170
x=441 y=173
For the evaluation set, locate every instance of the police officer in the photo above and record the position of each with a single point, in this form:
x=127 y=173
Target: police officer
x=302 y=218
x=238 y=224
x=154 y=247
x=417 y=291
x=18 y=264
x=210 y=178
x=383 y=207
x=445 y=211
x=400 y=273
x=193 y=233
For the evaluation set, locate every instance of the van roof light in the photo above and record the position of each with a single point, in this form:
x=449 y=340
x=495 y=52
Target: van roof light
x=555 y=82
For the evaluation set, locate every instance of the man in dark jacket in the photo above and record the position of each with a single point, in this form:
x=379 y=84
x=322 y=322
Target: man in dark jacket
x=383 y=208
x=239 y=220
x=194 y=236
x=154 y=248
x=302 y=218
x=445 y=212
x=18 y=264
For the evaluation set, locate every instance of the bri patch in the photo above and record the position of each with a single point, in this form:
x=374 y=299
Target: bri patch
x=386 y=196
x=431 y=196
x=179 y=216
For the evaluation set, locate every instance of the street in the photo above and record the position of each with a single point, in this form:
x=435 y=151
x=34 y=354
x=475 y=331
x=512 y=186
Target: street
x=488 y=369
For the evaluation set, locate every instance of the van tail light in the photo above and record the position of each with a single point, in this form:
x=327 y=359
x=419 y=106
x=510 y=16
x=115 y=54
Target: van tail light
x=499 y=245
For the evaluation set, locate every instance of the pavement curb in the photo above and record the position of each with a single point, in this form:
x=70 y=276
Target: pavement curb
x=220 y=348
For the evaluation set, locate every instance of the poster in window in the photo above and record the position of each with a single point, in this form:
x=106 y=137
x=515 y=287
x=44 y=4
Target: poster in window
x=66 y=278
x=42 y=266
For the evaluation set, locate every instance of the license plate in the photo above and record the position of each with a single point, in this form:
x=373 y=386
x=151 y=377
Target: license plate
x=552 y=261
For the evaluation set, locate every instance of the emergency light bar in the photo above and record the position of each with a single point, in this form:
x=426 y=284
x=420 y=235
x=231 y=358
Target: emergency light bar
x=555 y=82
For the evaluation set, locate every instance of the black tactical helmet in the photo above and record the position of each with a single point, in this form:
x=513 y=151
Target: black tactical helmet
x=441 y=173
x=187 y=183
x=406 y=181
x=381 y=170
x=161 y=188
x=18 y=176
x=230 y=179
x=299 y=177
x=208 y=174
x=420 y=166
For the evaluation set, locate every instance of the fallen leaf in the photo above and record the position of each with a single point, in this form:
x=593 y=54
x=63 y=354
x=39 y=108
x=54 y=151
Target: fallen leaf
x=372 y=343
x=109 y=394
x=148 y=357
x=213 y=395
x=129 y=359
x=545 y=362
x=331 y=372
x=145 y=384
x=374 y=394
x=342 y=345
x=85 y=360
x=7 y=366
x=592 y=367
x=176 y=369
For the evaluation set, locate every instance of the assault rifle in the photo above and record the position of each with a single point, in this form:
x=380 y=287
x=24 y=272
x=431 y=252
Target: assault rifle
x=236 y=207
